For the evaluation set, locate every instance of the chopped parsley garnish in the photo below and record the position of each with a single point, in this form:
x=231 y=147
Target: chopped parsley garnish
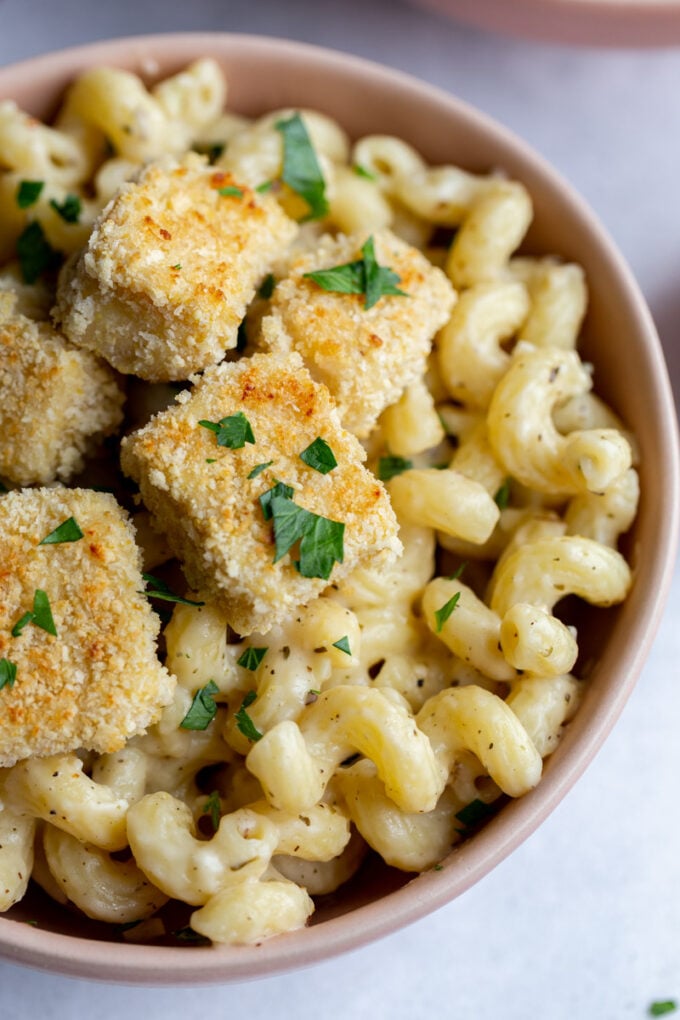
x=361 y=171
x=241 y=336
x=160 y=590
x=245 y=724
x=280 y=489
x=68 y=531
x=301 y=170
x=662 y=1006
x=458 y=572
x=502 y=497
x=441 y=615
x=259 y=468
x=42 y=612
x=390 y=467
x=264 y=187
x=474 y=813
x=343 y=645
x=69 y=209
x=203 y=708
x=177 y=265
x=318 y=455
x=8 y=673
x=210 y=460
x=234 y=431
x=231 y=189
x=251 y=658
x=28 y=193
x=22 y=622
x=363 y=276
x=321 y=540
x=267 y=286
x=35 y=253
x=213 y=808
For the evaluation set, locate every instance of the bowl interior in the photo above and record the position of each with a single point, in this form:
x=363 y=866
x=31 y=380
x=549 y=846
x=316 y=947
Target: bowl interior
x=620 y=340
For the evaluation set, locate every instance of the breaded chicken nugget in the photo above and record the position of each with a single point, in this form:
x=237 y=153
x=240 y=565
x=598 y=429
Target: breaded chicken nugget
x=365 y=356
x=56 y=401
x=169 y=270
x=206 y=495
x=77 y=639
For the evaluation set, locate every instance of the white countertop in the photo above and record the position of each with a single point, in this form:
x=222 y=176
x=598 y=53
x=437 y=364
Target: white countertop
x=582 y=921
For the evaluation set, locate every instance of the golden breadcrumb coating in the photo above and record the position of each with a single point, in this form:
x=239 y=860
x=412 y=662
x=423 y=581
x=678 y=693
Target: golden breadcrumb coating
x=202 y=498
x=56 y=401
x=366 y=357
x=169 y=270
x=99 y=680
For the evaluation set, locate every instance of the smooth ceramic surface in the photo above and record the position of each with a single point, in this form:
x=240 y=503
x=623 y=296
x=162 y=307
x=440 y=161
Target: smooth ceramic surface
x=265 y=73
x=594 y=22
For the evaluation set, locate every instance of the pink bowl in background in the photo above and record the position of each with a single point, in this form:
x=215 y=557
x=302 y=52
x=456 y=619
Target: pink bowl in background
x=264 y=74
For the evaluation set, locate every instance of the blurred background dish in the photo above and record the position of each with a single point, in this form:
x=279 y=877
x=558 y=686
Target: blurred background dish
x=589 y=22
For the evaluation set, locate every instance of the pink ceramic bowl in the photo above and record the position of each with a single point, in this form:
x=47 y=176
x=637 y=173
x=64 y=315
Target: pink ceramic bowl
x=593 y=22
x=619 y=339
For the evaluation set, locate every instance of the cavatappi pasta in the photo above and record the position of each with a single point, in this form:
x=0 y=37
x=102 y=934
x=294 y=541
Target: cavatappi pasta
x=384 y=467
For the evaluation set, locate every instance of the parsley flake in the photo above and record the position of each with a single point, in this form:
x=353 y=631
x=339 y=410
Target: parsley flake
x=390 y=467
x=22 y=622
x=213 y=808
x=343 y=645
x=264 y=187
x=259 y=468
x=363 y=276
x=231 y=190
x=68 y=531
x=321 y=539
x=69 y=209
x=458 y=572
x=203 y=708
x=35 y=253
x=234 y=431
x=280 y=489
x=245 y=724
x=267 y=286
x=502 y=497
x=301 y=170
x=361 y=171
x=475 y=812
x=42 y=612
x=318 y=455
x=251 y=658
x=177 y=266
x=28 y=193
x=160 y=590
x=662 y=1006
x=8 y=673
x=441 y=615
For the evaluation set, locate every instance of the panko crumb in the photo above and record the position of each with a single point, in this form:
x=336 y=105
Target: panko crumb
x=99 y=681
x=169 y=270
x=57 y=402
x=366 y=357
x=204 y=499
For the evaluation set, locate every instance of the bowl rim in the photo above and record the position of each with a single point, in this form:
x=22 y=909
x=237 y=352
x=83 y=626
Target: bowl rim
x=610 y=23
x=140 y=964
